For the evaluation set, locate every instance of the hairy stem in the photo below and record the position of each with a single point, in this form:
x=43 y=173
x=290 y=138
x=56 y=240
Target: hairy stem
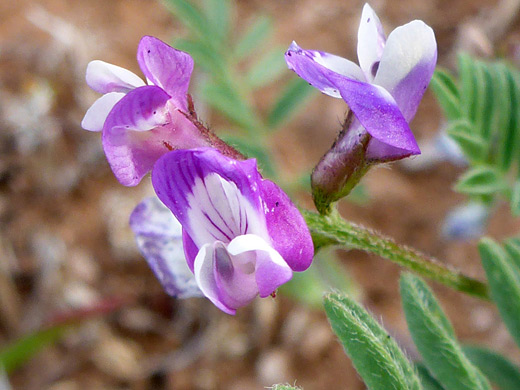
x=333 y=230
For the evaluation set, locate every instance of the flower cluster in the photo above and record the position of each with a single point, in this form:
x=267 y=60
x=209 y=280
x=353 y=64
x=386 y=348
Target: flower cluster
x=221 y=231
x=218 y=228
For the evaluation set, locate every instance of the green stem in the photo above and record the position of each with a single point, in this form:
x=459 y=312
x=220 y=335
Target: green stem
x=333 y=230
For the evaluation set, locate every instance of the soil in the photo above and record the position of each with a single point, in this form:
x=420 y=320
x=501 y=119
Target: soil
x=65 y=244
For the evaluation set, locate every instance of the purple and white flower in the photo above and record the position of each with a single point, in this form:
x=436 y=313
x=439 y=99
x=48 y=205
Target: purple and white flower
x=159 y=238
x=242 y=236
x=384 y=91
x=142 y=122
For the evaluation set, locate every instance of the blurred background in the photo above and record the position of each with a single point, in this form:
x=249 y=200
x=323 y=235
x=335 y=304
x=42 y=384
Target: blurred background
x=68 y=262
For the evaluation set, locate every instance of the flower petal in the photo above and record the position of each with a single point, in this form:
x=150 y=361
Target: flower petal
x=132 y=154
x=158 y=236
x=167 y=68
x=204 y=275
x=141 y=109
x=407 y=65
x=287 y=228
x=213 y=196
x=96 y=115
x=271 y=270
x=103 y=77
x=378 y=113
x=315 y=67
x=371 y=42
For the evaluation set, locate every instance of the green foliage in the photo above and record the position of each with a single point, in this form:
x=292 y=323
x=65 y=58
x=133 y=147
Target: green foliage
x=435 y=339
x=14 y=355
x=483 y=111
x=427 y=380
x=237 y=67
x=376 y=356
x=498 y=369
x=504 y=280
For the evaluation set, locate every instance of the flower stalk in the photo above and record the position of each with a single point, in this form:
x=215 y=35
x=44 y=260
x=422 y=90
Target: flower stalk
x=333 y=230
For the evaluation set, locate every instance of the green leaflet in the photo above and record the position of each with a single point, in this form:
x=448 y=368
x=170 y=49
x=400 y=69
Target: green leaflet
x=428 y=382
x=258 y=32
x=512 y=246
x=515 y=199
x=434 y=337
x=375 y=355
x=291 y=98
x=14 y=355
x=195 y=20
x=481 y=180
x=497 y=368
x=473 y=145
x=504 y=282
x=483 y=111
x=267 y=69
x=447 y=93
x=219 y=13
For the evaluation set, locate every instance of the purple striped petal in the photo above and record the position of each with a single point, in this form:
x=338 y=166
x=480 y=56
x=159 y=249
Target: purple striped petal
x=204 y=270
x=407 y=65
x=103 y=77
x=158 y=237
x=371 y=42
x=167 y=68
x=282 y=217
x=316 y=66
x=213 y=197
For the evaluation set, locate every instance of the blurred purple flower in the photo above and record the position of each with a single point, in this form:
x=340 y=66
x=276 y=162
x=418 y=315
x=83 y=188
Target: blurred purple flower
x=385 y=90
x=242 y=235
x=159 y=238
x=142 y=122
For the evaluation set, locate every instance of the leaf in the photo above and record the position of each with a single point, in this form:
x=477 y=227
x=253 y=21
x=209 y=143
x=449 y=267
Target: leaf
x=193 y=18
x=225 y=99
x=375 y=355
x=469 y=86
x=498 y=369
x=472 y=144
x=508 y=144
x=267 y=69
x=504 y=282
x=252 y=39
x=290 y=100
x=434 y=337
x=14 y=355
x=481 y=97
x=481 y=180
x=488 y=103
x=218 y=13
x=515 y=199
x=512 y=246
x=203 y=55
x=443 y=85
x=428 y=382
